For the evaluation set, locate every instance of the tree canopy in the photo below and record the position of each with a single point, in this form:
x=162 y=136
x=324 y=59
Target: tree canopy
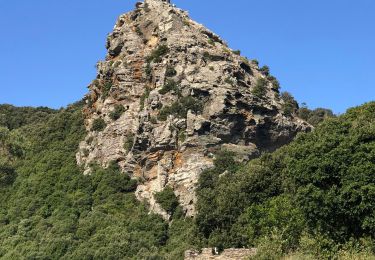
x=314 y=197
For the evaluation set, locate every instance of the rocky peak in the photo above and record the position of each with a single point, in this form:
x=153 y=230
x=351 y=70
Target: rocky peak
x=169 y=95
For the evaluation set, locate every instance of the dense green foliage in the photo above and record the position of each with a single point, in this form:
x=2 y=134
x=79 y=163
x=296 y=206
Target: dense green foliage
x=259 y=89
x=148 y=71
x=312 y=199
x=265 y=70
x=290 y=105
x=129 y=142
x=117 y=112
x=316 y=116
x=170 y=72
x=106 y=88
x=169 y=86
x=320 y=187
x=167 y=200
x=181 y=107
x=275 y=83
x=98 y=124
x=13 y=117
x=50 y=210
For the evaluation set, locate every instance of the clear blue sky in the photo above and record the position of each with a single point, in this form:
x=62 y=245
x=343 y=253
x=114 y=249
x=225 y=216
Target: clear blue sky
x=322 y=51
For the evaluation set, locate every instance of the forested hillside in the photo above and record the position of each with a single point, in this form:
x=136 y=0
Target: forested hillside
x=14 y=117
x=316 y=195
x=50 y=210
x=313 y=198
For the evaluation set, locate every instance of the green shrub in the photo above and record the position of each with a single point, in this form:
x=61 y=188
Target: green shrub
x=260 y=89
x=145 y=95
x=139 y=31
x=180 y=108
x=209 y=57
x=269 y=248
x=171 y=85
x=157 y=54
x=146 y=7
x=206 y=55
x=265 y=70
x=153 y=120
x=15 y=117
x=129 y=142
x=316 y=116
x=167 y=200
x=290 y=105
x=106 y=88
x=276 y=215
x=255 y=62
x=53 y=211
x=170 y=72
x=275 y=83
x=182 y=135
x=211 y=42
x=237 y=52
x=7 y=175
x=98 y=125
x=117 y=112
x=166 y=111
x=148 y=71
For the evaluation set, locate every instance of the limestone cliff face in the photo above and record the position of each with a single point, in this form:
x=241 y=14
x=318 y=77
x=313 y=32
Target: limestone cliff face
x=169 y=95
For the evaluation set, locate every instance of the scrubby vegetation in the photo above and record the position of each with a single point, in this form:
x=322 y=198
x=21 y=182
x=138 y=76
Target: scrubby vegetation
x=148 y=71
x=260 y=88
x=106 y=88
x=275 y=83
x=13 y=117
x=167 y=200
x=145 y=95
x=129 y=142
x=229 y=81
x=290 y=105
x=210 y=57
x=265 y=70
x=170 y=72
x=98 y=124
x=315 y=116
x=314 y=196
x=169 y=86
x=50 y=210
x=117 y=112
x=211 y=42
x=180 y=108
x=312 y=199
x=158 y=53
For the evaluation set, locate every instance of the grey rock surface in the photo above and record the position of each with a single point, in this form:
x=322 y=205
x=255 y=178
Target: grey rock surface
x=165 y=135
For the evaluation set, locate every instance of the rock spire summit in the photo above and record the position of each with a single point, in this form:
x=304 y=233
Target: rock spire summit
x=170 y=95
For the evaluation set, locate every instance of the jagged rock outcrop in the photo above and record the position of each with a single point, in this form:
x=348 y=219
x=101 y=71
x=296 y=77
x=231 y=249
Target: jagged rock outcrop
x=169 y=95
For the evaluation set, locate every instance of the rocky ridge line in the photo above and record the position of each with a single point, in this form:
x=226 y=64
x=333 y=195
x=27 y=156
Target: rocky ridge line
x=169 y=95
